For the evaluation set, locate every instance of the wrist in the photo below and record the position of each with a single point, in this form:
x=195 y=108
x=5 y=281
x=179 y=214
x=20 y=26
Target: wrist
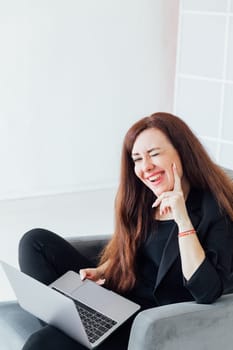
x=186 y=233
x=185 y=226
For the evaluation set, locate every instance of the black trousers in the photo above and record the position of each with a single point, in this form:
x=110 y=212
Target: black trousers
x=47 y=256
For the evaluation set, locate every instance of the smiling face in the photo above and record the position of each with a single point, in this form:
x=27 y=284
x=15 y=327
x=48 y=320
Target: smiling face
x=153 y=156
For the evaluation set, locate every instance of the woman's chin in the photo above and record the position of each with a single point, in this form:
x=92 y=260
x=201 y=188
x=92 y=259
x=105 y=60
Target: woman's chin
x=159 y=190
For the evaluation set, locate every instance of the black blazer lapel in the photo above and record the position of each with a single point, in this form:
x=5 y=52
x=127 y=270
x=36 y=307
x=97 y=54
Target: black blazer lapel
x=171 y=250
x=170 y=253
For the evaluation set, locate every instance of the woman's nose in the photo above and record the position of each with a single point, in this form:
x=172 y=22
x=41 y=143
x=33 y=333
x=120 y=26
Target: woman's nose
x=147 y=164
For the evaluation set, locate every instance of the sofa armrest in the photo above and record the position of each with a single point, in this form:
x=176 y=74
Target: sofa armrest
x=185 y=326
x=90 y=246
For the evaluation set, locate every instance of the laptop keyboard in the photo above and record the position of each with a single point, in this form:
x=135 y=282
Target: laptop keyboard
x=95 y=323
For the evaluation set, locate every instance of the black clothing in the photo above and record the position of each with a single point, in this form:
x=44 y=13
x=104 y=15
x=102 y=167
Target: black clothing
x=148 y=261
x=160 y=281
x=45 y=256
x=214 y=275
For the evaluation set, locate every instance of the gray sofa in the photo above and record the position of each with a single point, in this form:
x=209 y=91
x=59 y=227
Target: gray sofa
x=173 y=327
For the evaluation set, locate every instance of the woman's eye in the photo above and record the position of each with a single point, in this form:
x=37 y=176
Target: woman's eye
x=154 y=154
x=135 y=160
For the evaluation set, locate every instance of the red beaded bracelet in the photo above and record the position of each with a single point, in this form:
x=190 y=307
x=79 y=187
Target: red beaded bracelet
x=186 y=233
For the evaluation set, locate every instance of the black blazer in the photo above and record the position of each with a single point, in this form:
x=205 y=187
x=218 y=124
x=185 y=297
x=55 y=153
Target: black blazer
x=214 y=275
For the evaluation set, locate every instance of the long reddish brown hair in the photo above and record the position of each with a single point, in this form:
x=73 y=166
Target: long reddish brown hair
x=133 y=212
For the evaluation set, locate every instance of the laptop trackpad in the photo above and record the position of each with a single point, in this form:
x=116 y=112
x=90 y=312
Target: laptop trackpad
x=88 y=292
x=103 y=300
x=93 y=295
x=68 y=282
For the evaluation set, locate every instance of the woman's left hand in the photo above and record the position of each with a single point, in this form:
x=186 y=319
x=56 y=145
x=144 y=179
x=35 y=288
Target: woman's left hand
x=173 y=201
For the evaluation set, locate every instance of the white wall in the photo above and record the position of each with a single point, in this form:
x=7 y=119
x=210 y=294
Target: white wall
x=73 y=214
x=73 y=76
x=204 y=80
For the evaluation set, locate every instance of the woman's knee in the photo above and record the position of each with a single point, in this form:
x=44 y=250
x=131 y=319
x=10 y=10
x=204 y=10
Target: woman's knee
x=33 y=239
x=50 y=338
x=31 y=242
x=34 y=342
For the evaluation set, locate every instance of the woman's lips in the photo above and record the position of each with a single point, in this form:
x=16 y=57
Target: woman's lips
x=156 y=178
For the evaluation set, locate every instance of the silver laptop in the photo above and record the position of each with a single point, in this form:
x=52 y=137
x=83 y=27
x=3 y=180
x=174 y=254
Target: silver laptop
x=83 y=310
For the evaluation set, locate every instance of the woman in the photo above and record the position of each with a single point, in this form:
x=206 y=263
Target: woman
x=173 y=237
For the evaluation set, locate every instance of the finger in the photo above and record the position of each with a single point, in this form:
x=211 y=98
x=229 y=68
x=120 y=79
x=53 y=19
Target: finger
x=163 y=196
x=177 y=179
x=164 y=207
x=165 y=211
x=83 y=274
x=159 y=200
x=156 y=203
x=101 y=281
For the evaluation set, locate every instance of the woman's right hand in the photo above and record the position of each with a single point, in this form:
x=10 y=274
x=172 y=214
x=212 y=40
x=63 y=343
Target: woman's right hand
x=93 y=274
